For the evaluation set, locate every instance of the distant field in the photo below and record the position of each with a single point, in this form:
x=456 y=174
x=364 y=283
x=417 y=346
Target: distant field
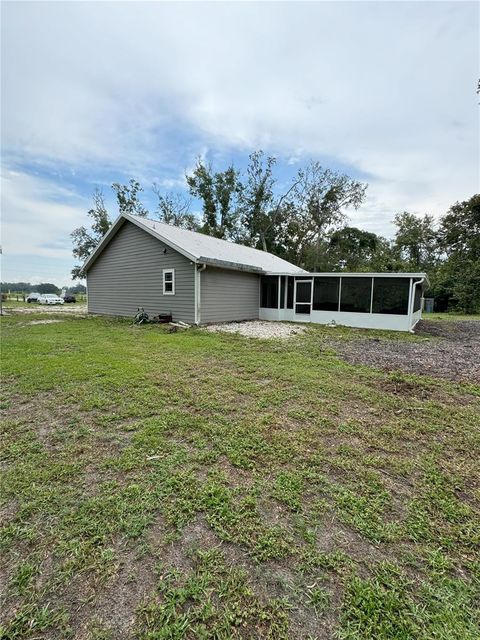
x=161 y=485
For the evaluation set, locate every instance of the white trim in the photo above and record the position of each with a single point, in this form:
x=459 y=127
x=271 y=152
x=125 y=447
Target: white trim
x=302 y=281
x=199 y=269
x=196 y=285
x=412 y=312
x=349 y=274
x=172 y=292
x=347 y=318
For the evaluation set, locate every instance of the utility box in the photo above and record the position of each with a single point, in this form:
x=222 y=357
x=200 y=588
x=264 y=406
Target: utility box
x=428 y=305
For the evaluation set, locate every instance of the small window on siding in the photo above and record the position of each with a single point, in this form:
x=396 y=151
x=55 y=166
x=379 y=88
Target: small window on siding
x=169 y=282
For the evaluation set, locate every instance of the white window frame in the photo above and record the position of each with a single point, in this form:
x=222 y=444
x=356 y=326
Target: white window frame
x=172 y=292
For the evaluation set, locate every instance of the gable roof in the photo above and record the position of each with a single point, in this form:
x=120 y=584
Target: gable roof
x=200 y=248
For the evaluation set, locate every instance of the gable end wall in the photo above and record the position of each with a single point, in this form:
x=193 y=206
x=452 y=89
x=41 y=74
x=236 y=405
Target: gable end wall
x=128 y=274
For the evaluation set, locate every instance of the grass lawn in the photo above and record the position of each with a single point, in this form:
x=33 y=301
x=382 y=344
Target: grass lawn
x=450 y=316
x=162 y=485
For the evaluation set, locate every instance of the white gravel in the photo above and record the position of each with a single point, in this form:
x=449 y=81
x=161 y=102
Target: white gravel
x=258 y=329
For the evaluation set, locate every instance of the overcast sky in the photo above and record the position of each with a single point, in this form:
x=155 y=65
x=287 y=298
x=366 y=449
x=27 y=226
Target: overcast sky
x=95 y=93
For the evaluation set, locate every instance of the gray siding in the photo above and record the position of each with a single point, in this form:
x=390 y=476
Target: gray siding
x=128 y=274
x=228 y=295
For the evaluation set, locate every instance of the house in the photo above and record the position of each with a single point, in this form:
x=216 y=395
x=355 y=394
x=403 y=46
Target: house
x=200 y=279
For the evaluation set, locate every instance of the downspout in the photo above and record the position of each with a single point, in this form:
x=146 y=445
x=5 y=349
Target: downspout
x=198 y=309
x=412 y=302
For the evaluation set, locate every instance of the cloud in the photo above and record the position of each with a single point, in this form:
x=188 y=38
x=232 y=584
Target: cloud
x=140 y=89
x=38 y=216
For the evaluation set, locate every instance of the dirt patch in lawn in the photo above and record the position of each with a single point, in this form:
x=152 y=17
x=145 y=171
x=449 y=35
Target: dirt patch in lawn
x=48 y=321
x=450 y=350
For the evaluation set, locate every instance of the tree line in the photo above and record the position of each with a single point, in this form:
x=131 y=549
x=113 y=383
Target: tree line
x=306 y=223
x=43 y=287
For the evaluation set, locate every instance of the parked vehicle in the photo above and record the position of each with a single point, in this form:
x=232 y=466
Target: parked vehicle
x=68 y=298
x=50 y=298
x=33 y=297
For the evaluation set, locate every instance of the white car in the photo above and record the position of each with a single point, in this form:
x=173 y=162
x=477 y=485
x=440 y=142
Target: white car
x=50 y=298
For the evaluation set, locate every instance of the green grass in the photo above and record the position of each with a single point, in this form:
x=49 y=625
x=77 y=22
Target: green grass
x=451 y=315
x=197 y=485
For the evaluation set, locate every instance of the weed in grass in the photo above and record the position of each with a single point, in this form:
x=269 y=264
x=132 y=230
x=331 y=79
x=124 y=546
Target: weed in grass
x=30 y=621
x=389 y=605
x=22 y=579
x=213 y=600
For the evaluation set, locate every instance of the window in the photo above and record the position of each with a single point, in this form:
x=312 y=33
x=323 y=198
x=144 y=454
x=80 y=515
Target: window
x=325 y=294
x=169 y=282
x=282 y=292
x=356 y=295
x=269 y=292
x=390 y=295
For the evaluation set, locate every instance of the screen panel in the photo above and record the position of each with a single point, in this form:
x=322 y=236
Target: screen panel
x=325 y=294
x=302 y=308
x=269 y=292
x=290 y=285
x=390 y=295
x=417 y=303
x=356 y=294
x=304 y=291
x=282 y=292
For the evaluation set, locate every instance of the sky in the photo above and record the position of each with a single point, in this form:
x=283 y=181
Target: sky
x=101 y=92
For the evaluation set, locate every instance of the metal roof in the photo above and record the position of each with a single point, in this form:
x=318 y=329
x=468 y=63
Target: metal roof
x=201 y=248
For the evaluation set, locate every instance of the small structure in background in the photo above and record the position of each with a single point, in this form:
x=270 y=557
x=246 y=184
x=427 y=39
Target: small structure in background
x=428 y=305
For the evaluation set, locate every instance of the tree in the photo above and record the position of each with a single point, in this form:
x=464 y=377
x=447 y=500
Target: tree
x=85 y=240
x=78 y=288
x=459 y=231
x=47 y=287
x=416 y=241
x=459 y=240
x=312 y=208
x=257 y=200
x=353 y=248
x=127 y=198
x=219 y=193
x=17 y=286
x=174 y=209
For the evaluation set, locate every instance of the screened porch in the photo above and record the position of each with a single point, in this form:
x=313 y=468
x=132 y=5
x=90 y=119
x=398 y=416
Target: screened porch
x=376 y=301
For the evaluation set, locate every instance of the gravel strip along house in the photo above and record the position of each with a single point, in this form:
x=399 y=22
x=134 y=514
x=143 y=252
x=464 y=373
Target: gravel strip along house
x=200 y=280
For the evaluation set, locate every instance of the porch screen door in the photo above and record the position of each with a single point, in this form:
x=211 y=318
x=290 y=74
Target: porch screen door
x=303 y=296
